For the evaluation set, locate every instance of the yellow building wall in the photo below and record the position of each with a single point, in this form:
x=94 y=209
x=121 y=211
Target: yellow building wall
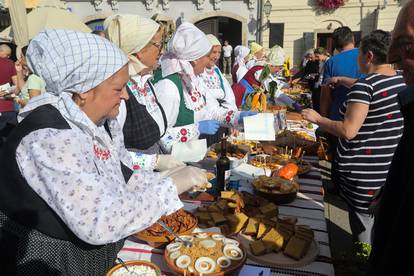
x=300 y=16
x=30 y=4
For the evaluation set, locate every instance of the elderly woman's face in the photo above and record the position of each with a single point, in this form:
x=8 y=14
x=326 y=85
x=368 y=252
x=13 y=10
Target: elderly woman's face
x=260 y=54
x=214 y=56
x=150 y=54
x=200 y=64
x=102 y=102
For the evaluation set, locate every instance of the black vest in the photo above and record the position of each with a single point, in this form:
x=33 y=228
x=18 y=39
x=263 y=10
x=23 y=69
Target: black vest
x=17 y=199
x=140 y=130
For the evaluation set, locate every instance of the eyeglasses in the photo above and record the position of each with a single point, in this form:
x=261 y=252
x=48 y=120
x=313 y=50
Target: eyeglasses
x=158 y=44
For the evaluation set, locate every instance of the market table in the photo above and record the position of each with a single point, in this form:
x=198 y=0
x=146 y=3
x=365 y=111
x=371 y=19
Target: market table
x=308 y=207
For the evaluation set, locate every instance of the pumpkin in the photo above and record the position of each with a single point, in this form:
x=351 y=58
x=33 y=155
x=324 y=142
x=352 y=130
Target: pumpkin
x=288 y=171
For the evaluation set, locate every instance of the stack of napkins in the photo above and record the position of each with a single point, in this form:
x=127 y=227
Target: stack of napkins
x=260 y=127
x=250 y=172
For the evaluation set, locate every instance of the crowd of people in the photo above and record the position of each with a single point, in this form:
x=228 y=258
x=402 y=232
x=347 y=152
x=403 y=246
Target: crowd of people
x=94 y=117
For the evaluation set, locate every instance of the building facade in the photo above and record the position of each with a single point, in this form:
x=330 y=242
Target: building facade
x=300 y=25
x=232 y=20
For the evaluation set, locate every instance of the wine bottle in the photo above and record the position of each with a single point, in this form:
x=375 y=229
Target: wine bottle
x=222 y=167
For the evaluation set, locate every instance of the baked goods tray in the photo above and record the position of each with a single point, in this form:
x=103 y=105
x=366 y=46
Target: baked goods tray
x=279 y=259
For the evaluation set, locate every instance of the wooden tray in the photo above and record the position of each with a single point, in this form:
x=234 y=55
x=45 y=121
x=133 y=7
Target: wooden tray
x=278 y=259
x=233 y=270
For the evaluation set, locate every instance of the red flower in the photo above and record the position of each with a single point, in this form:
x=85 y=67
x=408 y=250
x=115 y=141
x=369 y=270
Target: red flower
x=136 y=167
x=385 y=94
x=368 y=151
x=371 y=193
x=331 y=4
x=183 y=131
x=389 y=116
x=230 y=112
x=194 y=99
x=228 y=119
x=183 y=139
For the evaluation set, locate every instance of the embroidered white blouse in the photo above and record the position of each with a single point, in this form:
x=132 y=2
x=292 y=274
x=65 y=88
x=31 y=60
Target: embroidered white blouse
x=218 y=88
x=205 y=107
x=143 y=91
x=85 y=186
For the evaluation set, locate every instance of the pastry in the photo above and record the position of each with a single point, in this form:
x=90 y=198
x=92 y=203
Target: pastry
x=296 y=248
x=273 y=240
x=258 y=248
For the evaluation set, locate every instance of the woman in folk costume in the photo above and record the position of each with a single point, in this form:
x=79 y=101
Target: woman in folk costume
x=239 y=68
x=257 y=55
x=142 y=117
x=218 y=91
x=68 y=196
x=183 y=95
x=265 y=76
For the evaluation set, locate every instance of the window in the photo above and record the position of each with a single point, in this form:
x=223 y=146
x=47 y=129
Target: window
x=277 y=31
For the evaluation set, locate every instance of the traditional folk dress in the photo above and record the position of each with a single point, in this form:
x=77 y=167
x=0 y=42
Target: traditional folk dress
x=239 y=68
x=68 y=196
x=144 y=122
x=182 y=94
x=219 y=94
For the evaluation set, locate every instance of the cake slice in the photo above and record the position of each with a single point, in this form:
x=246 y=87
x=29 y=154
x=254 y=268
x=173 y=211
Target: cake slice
x=296 y=248
x=203 y=217
x=218 y=218
x=252 y=227
x=289 y=220
x=269 y=209
x=273 y=240
x=227 y=194
x=242 y=219
x=258 y=248
x=261 y=230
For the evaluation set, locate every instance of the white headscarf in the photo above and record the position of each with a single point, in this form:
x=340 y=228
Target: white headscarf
x=214 y=40
x=275 y=56
x=71 y=62
x=241 y=52
x=131 y=33
x=187 y=44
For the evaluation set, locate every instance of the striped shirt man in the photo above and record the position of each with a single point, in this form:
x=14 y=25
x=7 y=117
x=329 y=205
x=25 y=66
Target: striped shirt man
x=363 y=162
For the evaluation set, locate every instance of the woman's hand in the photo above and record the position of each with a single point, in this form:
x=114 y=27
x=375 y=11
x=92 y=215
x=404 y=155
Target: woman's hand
x=333 y=82
x=167 y=162
x=187 y=178
x=234 y=132
x=311 y=115
x=19 y=66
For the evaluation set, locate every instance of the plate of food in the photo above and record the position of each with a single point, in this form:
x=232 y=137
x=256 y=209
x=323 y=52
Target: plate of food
x=276 y=189
x=286 y=244
x=181 y=222
x=211 y=254
x=137 y=266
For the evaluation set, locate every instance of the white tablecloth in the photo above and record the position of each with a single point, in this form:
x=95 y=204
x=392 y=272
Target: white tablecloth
x=308 y=207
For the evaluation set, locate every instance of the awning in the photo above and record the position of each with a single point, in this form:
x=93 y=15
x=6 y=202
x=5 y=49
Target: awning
x=52 y=14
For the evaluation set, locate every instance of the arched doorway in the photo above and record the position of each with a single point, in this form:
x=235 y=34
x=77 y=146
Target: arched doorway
x=224 y=28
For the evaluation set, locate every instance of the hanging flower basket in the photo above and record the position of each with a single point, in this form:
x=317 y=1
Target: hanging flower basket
x=330 y=4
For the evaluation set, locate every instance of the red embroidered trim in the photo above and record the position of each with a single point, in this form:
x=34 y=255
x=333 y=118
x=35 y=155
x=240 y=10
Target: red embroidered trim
x=101 y=154
x=183 y=131
x=183 y=139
